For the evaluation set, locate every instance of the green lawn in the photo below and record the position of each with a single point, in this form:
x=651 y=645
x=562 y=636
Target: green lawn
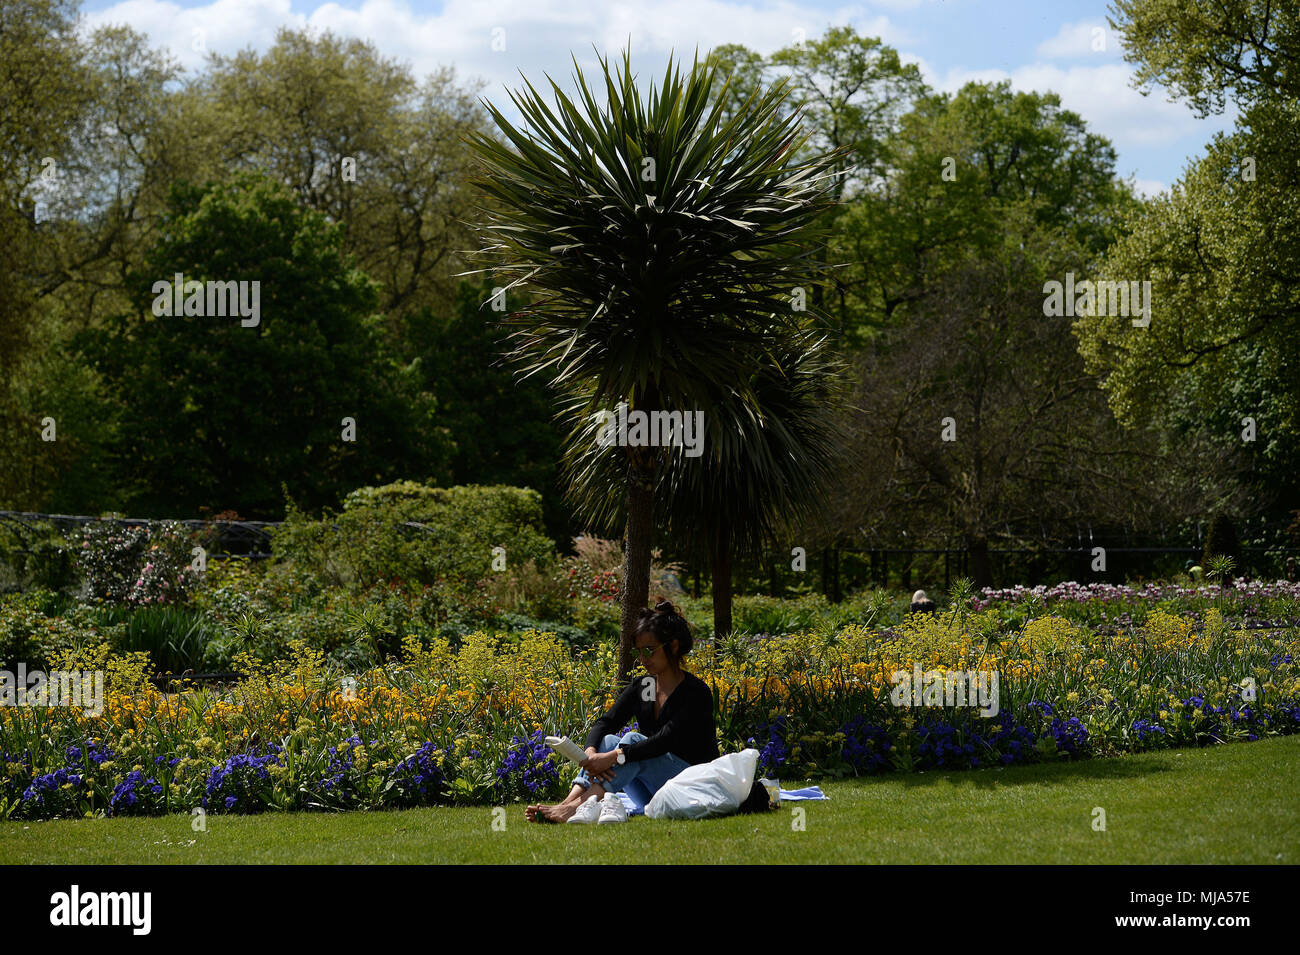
x=1230 y=804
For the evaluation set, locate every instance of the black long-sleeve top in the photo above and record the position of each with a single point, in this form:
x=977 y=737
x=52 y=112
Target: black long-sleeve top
x=684 y=726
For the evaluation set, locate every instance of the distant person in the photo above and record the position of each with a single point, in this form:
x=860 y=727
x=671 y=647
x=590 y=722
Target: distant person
x=1291 y=573
x=921 y=603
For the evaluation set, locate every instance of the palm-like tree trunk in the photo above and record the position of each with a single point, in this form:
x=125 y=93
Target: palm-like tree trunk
x=637 y=543
x=981 y=569
x=720 y=556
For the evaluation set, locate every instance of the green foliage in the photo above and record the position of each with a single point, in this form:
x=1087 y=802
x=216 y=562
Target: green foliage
x=852 y=92
x=1209 y=53
x=991 y=194
x=707 y=211
x=571 y=635
x=1221 y=248
x=137 y=565
x=1222 y=253
x=38 y=625
x=176 y=638
x=502 y=429
x=967 y=169
x=35 y=557
x=313 y=99
x=544 y=592
x=219 y=414
x=765 y=463
x=45 y=86
x=756 y=614
x=662 y=236
x=123 y=130
x=416 y=534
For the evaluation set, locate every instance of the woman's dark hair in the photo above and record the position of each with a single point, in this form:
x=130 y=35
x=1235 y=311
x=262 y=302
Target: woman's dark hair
x=665 y=624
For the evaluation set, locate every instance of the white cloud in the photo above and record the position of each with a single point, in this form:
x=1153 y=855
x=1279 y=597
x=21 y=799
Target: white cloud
x=1149 y=187
x=1075 y=40
x=536 y=37
x=223 y=26
x=1103 y=97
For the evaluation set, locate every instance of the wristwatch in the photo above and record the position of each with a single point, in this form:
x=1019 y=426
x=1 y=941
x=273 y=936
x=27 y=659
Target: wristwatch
x=621 y=756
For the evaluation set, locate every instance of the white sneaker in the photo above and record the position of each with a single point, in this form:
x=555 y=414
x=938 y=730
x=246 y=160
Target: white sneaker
x=612 y=809
x=587 y=812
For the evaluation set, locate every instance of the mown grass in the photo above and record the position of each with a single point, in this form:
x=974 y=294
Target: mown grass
x=1230 y=804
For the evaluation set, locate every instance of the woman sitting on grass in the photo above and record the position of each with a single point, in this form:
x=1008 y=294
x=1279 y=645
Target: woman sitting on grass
x=674 y=710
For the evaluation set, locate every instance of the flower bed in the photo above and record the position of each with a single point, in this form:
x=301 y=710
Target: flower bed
x=464 y=726
x=1123 y=604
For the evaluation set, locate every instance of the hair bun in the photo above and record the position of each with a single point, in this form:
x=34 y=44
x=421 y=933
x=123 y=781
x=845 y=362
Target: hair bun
x=666 y=625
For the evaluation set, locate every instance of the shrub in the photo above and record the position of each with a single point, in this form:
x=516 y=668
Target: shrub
x=35 y=556
x=596 y=572
x=1047 y=634
x=230 y=588
x=416 y=534
x=136 y=564
x=529 y=589
x=35 y=627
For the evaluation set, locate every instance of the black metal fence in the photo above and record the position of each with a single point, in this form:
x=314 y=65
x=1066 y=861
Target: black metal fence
x=246 y=539
x=250 y=539
x=836 y=571
x=842 y=569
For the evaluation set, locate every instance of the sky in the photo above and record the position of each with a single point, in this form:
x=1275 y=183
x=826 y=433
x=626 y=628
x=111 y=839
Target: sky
x=1065 y=46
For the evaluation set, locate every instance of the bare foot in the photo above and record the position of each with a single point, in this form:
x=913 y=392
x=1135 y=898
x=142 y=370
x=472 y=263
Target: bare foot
x=558 y=813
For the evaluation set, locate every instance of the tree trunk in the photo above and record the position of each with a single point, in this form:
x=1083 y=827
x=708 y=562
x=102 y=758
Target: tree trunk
x=637 y=544
x=720 y=555
x=837 y=592
x=981 y=570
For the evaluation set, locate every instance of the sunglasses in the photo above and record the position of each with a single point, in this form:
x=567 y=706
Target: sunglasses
x=647 y=652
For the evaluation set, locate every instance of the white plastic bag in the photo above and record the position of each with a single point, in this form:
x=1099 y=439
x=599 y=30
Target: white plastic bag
x=709 y=789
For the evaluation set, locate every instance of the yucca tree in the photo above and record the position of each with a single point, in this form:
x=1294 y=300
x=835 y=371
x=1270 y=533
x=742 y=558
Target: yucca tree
x=764 y=472
x=658 y=244
x=765 y=465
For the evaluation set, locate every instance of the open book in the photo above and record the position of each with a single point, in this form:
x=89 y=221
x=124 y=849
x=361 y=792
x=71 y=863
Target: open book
x=566 y=748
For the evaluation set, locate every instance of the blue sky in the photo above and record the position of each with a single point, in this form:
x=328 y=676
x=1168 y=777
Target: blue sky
x=1049 y=44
